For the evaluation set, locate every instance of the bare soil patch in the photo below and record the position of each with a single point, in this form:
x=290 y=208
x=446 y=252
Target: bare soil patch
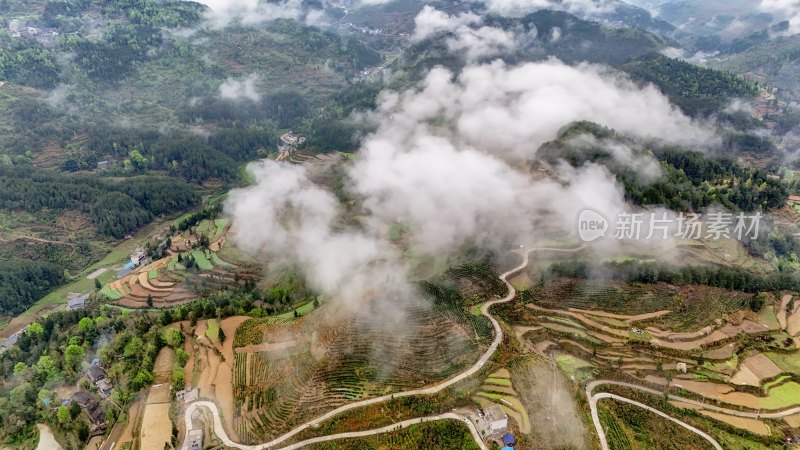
x=162 y=368
x=752 y=425
x=46 y=439
x=156 y=425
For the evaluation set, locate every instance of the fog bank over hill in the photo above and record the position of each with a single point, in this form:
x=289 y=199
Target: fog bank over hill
x=447 y=161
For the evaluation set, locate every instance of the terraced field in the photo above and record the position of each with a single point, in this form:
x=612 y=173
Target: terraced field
x=163 y=281
x=302 y=371
x=498 y=389
x=718 y=349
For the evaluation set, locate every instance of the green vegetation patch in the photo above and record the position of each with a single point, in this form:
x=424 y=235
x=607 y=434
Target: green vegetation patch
x=220 y=226
x=499 y=381
x=217 y=261
x=572 y=366
x=202 y=262
x=783 y=396
x=152 y=273
x=111 y=293
x=788 y=362
x=213 y=330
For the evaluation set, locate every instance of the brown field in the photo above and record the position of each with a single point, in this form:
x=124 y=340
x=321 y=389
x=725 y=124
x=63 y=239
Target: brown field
x=156 y=425
x=680 y=336
x=162 y=368
x=713 y=390
x=745 y=376
x=134 y=416
x=266 y=346
x=762 y=366
x=752 y=425
x=626 y=318
x=216 y=374
x=223 y=382
x=793 y=320
x=688 y=346
x=793 y=420
x=725 y=352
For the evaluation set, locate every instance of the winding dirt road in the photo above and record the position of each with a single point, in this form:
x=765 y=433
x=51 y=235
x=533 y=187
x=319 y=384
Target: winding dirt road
x=593 y=398
x=602 y=435
x=498 y=338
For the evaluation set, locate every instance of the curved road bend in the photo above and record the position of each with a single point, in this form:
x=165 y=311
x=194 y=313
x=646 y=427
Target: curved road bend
x=601 y=434
x=731 y=412
x=219 y=429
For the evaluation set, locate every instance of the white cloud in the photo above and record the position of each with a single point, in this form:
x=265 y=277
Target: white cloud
x=250 y=12
x=784 y=10
x=518 y=8
x=244 y=89
x=450 y=160
x=466 y=37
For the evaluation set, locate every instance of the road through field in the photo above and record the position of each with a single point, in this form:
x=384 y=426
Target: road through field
x=498 y=338
x=731 y=412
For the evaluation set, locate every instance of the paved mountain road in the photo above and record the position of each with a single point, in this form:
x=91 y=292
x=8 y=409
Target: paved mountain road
x=498 y=338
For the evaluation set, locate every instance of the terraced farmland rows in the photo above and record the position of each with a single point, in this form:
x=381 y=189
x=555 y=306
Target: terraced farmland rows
x=363 y=359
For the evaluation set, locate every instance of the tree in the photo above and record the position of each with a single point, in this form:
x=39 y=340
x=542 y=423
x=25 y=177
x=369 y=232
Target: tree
x=63 y=415
x=97 y=284
x=20 y=368
x=35 y=329
x=73 y=356
x=758 y=300
x=149 y=300
x=86 y=325
x=221 y=336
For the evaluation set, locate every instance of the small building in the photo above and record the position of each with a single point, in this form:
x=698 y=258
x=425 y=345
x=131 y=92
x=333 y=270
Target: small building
x=508 y=440
x=194 y=439
x=96 y=373
x=496 y=418
x=11 y=340
x=76 y=301
x=137 y=256
x=92 y=407
x=104 y=387
x=188 y=395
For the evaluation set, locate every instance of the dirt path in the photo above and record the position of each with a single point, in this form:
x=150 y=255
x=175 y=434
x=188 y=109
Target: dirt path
x=46 y=439
x=602 y=435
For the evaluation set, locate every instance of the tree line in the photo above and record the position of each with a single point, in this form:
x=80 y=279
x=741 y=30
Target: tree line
x=115 y=208
x=653 y=272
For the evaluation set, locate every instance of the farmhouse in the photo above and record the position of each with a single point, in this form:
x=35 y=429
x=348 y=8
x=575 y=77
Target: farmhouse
x=11 y=340
x=188 y=395
x=194 y=439
x=76 y=301
x=92 y=407
x=96 y=373
x=98 y=376
x=137 y=256
x=497 y=418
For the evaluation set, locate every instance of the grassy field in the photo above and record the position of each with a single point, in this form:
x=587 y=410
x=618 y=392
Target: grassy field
x=202 y=262
x=213 y=330
x=789 y=363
